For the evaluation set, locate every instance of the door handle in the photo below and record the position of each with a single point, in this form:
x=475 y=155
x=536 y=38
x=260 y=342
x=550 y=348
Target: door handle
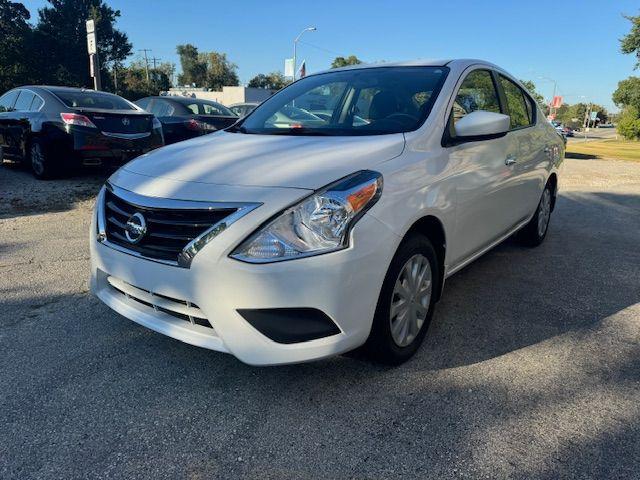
x=510 y=160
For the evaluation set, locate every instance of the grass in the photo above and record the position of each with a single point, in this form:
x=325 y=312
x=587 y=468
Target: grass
x=605 y=149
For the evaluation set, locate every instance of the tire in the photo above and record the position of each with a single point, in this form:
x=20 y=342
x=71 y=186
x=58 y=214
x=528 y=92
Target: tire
x=386 y=343
x=534 y=232
x=41 y=161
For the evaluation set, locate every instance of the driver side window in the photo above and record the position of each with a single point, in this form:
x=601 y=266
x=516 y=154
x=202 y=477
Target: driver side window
x=477 y=92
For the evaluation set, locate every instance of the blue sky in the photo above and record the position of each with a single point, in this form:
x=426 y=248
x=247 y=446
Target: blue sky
x=574 y=42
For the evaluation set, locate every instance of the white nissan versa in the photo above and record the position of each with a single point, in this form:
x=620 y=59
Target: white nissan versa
x=329 y=218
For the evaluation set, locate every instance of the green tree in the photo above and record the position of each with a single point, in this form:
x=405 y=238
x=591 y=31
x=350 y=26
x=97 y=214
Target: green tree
x=220 y=71
x=627 y=96
x=628 y=93
x=578 y=112
x=272 y=81
x=629 y=123
x=345 y=61
x=630 y=43
x=15 y=36
x=206 y=69
x=132 y=80
x=531 y=88
x=194 y=70
x=61 y=43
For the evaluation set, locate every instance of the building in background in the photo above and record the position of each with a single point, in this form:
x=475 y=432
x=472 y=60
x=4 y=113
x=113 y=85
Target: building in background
x=228 y=95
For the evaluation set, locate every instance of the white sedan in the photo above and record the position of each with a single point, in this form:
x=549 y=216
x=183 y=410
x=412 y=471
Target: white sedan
x=286 y=243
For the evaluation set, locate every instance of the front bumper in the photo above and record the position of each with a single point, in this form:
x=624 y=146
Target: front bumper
x=344 y=285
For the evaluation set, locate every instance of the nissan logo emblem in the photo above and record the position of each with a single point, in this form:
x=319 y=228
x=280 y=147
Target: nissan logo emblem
x=126 y=121
x=135 y=228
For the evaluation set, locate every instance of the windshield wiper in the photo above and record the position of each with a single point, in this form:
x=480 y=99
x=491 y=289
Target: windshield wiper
x=237 y=128
x=301 y=131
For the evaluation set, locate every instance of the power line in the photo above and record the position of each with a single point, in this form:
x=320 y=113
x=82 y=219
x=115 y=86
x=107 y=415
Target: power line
x=323 y=49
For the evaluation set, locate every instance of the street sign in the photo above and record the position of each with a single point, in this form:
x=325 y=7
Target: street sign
x=91 y=37
x=594 y=116
x=288 y=67
x=91 y=43
x=556 y=102
x=92 y=49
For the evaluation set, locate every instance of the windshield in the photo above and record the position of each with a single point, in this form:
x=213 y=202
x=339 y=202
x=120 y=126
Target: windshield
x=371 y=101
x=92 y=99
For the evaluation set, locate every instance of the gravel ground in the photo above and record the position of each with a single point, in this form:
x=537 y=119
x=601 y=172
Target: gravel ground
x=531 y=368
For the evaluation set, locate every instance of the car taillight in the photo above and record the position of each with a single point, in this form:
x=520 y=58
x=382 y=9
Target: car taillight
x=198 y=126
x=76 y=119
x=193 y=125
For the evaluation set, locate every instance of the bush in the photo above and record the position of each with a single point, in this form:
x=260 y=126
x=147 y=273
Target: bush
x=629 y=124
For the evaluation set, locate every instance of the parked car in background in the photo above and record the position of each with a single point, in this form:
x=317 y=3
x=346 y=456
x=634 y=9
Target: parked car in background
x=289 y=237
x=184 y=117
x=243 y=109
x=560 y=131
x=53 y=128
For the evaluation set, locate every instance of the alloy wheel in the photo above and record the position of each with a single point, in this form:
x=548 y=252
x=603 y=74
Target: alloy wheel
x=37 y=159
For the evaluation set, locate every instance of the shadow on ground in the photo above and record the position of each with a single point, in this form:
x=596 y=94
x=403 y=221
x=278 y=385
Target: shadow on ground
x=21 y=194
x=530 y=370
x=581 y=156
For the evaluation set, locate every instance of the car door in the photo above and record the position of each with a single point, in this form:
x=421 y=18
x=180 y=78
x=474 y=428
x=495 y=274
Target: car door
x=526 y=148
x=19 y=126
x=484 y=211
x=7 y=101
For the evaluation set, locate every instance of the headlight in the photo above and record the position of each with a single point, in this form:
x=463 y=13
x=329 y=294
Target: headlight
x=318 y=224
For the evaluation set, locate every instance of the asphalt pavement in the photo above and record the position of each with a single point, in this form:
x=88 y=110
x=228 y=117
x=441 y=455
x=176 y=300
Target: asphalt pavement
x=531 y=367
x=593 y=134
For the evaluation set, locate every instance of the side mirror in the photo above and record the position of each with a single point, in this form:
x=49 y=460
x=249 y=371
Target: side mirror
x=482 y=125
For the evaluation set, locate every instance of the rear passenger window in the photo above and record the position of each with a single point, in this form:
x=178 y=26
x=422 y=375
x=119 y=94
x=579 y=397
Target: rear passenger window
x=477 y=92
x=518 y=105
x=161 y=108
x=23 y=104
x=36 y=104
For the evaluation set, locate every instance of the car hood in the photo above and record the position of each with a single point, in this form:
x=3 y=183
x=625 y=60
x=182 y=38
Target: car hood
x=225 y=158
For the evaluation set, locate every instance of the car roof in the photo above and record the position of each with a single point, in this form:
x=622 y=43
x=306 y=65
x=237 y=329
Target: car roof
x=60 y=89
x=184 y=100
x=460 y=62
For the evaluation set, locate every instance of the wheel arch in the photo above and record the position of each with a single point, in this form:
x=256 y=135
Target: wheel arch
x=432 y=227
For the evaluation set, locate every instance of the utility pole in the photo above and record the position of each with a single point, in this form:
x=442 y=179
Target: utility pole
x=155 y=73
x=146 y=62
x=295 y=45
x=115 y=77
x=587 y=115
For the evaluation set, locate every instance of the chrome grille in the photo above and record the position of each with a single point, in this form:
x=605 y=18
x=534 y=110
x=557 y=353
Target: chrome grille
x=168 y=230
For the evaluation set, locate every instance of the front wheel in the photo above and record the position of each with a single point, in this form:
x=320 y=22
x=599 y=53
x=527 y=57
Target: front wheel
x=534 y=232
x=406 y=303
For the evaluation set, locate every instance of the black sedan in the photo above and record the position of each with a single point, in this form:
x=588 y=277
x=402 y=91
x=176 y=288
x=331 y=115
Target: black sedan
x=52 y=128
x=184 y=117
